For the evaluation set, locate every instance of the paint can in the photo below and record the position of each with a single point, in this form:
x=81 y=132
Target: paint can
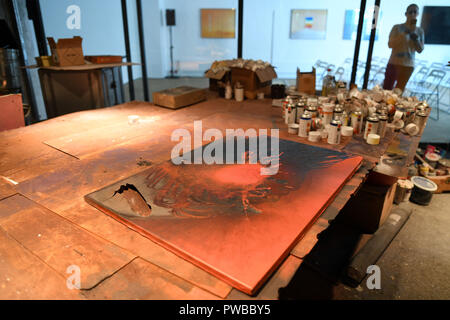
x=293 y=128
x=373 y=139
x=356 y=119
x=304 y=125
x=444 y=165
x=432 y=159
x=422 y=191
x=403 y=191
x=327 y=113
x=382 y=125
x=372 y=124
x=314 y=136
x=334 y=132
x=347 y=131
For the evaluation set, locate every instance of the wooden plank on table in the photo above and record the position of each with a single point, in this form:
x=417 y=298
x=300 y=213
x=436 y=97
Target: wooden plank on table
x=6 y=188
x=144 y=281
x=23 y=276
x=280 y=279
x=102 y=225
x=60 y=243
x=96 y=140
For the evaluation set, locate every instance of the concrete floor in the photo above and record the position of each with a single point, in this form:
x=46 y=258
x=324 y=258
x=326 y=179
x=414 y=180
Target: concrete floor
x=416 y=265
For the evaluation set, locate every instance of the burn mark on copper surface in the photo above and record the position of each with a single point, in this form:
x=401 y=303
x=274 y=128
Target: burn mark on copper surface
x=135 y=200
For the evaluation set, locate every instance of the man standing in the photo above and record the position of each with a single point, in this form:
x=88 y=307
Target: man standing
x=404 y=40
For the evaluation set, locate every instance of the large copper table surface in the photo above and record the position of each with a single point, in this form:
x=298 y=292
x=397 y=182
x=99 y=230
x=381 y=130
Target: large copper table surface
x=50 y=235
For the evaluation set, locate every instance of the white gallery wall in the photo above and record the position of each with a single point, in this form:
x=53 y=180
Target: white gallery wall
x=265 y=36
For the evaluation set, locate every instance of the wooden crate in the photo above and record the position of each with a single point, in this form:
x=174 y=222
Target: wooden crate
x=179 y=97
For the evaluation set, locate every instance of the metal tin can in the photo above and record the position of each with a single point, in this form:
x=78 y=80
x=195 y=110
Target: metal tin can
x=420 y=120
x=356 y=119
x=372 y=124
x=304 y=125
x=382 y=125
x=334 y=131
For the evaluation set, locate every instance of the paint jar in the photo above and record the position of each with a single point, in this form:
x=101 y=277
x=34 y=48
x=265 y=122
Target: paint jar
x=304 y=125
x=314 y=136
x=357 y=121
x=239 y=94
x=293 y=128
x=382 y=125
x=371 y=126
x=334 y=132
x=327 y=113
x=347 y=131
x=373 y=139
x=260 y=95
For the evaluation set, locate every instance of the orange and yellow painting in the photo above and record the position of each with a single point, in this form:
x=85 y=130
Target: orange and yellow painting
x=218 y=23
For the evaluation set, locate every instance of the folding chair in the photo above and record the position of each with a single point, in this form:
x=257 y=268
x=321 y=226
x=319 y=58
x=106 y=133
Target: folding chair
x=429 y=88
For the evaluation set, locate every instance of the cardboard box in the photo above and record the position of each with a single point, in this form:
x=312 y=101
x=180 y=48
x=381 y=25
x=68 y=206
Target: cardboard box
x=253 y=81
x=306 y=82
x=215 y=78
x=179 y=97
x=67 y=52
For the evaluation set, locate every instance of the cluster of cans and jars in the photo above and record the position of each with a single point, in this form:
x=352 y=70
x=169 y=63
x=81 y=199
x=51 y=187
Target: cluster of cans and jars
x=367 y=117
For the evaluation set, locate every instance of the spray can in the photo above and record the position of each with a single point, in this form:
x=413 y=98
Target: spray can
x=356 y=119
x=334 y=131
x=291 y=113
x=301 y=104
x=312 y=109
x=338 y=112
x=420 y=120
x=372 y=124
x=304 y=125
x=327 y=113
x=382 y=125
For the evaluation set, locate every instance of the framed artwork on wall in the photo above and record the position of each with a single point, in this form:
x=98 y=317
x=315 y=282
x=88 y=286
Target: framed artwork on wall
x=308 y=24
x=218 y=23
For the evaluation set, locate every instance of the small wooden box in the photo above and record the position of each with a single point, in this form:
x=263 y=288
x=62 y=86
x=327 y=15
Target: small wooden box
x=179 y=97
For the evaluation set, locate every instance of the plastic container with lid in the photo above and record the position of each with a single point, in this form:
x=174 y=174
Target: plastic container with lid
x=422 y=191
